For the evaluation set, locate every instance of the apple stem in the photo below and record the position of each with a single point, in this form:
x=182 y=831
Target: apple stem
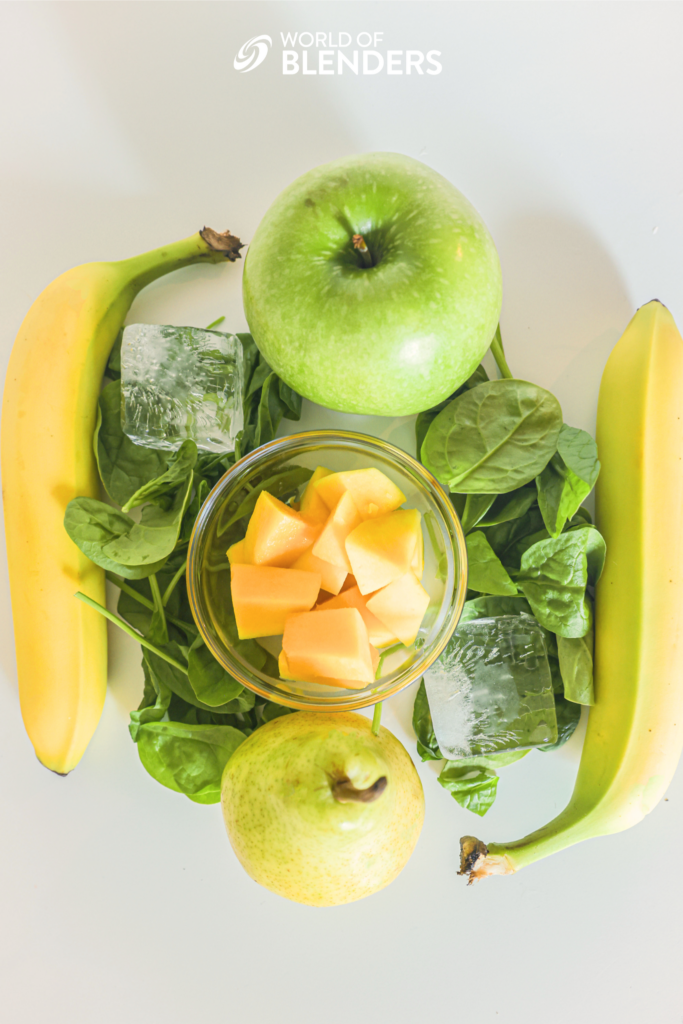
x=499 y=355
x=346 y=793
x=362 y=250
x=376 y=719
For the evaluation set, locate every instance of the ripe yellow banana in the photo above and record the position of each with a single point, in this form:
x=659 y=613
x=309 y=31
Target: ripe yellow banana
x=48 y=419
x=635 y=729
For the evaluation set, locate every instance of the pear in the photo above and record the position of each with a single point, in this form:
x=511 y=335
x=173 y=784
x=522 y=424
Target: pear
x=320 y=810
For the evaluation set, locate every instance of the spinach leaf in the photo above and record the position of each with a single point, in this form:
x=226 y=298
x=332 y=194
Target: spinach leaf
x=162 y=672
x=178 y=469
x=156 y=698
x=113 y=370
x=509 y=506
x=568 y=716
x=427 y=746
x=553 y=578
x=188 y=758
x=473 y=781
x=560 y=493
x=505 y=538
x=209 y=680
x=490 y=607
x=272 y=710
x=124 y=467
x=92 y=526
x=576 y=665
x=476 y=506
x=424 y=419
x=155 y=536
x=485 y=571
x=579 y=453
x=493 y=439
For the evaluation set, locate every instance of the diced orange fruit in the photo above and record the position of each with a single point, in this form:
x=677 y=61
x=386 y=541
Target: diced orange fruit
x=236 y=553
x=373 y=492
x=378 y=634
x=332 y=576
x=417 y=564
x=401 y=606
x=263 y=597
x=349 y=582
x=277 y=534
x=286 y=673
x=382 y=549
x=312 y=505
x=328 y=644
x=330 y=545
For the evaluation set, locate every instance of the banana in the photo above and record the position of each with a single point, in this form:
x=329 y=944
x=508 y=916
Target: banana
x=48 y=419
x=635 y=729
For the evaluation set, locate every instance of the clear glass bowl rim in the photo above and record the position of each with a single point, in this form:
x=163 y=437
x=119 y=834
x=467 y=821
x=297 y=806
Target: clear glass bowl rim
x=351 y=700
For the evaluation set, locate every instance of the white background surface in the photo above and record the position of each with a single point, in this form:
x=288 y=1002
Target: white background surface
x=125 y=126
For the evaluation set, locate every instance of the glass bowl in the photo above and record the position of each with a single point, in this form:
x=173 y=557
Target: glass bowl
x=445 y=573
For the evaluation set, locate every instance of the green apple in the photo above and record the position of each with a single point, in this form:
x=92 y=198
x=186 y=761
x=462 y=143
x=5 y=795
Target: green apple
x=320 y=810
x=389 y=324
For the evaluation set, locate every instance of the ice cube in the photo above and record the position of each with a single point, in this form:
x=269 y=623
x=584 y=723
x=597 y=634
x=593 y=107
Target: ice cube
x=492 y=688
x=179 y=383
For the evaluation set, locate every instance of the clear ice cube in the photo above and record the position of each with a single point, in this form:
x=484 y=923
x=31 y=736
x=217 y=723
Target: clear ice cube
x=179 y=383
x=492 y=688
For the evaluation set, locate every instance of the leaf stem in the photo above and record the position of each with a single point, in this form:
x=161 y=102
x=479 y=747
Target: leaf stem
x=129 y=630
x=499 y=355
x=376 y=719
x=172 y=585
x=119 y=582
x=215 y=323
x=158 y=603
x=384 y=655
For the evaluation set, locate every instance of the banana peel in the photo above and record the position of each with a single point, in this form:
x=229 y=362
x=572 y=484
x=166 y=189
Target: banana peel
x=48 y=420
x=635 y=729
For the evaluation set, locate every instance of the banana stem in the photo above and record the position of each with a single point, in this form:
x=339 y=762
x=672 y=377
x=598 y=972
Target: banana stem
x=499 y=354
x=206 y=246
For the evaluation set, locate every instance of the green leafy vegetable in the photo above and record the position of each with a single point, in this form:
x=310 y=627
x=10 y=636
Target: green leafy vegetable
x=476 y=507
x=490 y=606
x=424 y=419
x=576 y=666
x=162 y=672
x=553 y=577
x=116 y=542
x=493 y=439
x=209 y=680
x=427 y=746
x=124 y=467
x=509 y=506
x=153 y=706
x=473 y=781
x=188 y=758
x=568 y=716
x=279 y=484
x=178 y=469
x=485 y=571
x=579 y=453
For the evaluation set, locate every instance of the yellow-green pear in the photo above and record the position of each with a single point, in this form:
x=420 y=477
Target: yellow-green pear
x=320 y=810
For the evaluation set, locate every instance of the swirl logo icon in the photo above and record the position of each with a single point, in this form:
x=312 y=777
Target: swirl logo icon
x=252 y=53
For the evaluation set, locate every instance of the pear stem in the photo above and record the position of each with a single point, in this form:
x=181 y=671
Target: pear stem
x=376 y=719
x=346 y=793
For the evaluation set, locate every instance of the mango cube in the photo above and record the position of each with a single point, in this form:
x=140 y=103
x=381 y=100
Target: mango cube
x=286 y=673
x=401 y=606
x=378 y=634
x=277 y=534
x=332 y=576
x=312 y=505
x=382 y=549
x=330 y=545
x=417 y=564
x=263 y=597
x=372 y=491
x=236 y=553
x=328 y=644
